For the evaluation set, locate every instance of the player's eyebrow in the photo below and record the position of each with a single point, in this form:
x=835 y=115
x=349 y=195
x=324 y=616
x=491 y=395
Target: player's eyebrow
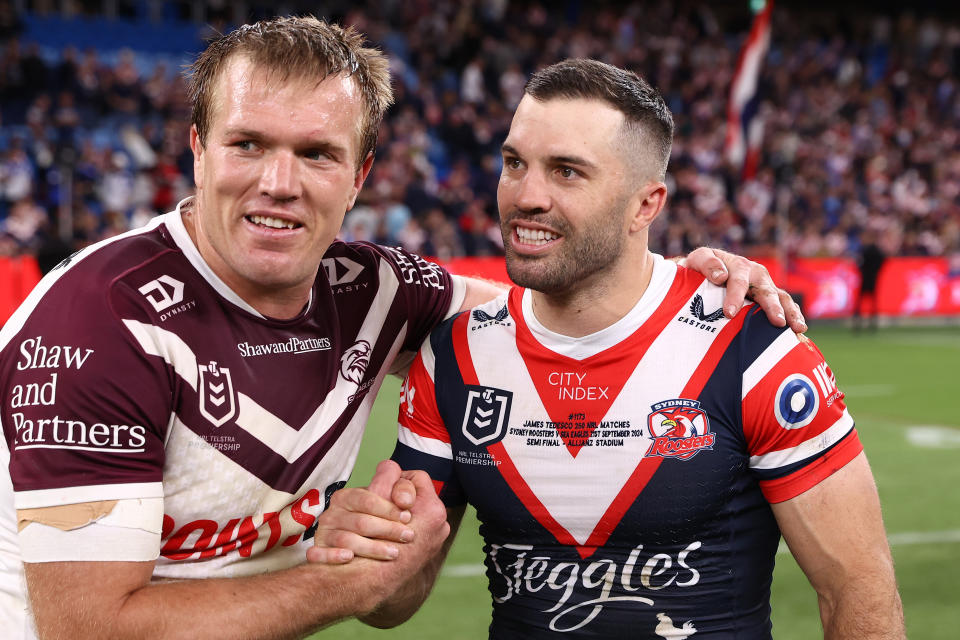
x=242 y=132
x=574 y=160
x=308 y=143
x=507 y=149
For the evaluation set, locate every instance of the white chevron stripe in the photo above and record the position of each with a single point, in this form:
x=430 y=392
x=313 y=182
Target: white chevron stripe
x=285 y=440
x=156 y=341
x=768 y=360
x=804 y=450
x=664 y=371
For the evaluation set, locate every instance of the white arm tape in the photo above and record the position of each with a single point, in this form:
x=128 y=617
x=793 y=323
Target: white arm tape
x=129 y=533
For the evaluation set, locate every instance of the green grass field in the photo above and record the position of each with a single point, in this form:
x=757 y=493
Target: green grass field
x=903 y=388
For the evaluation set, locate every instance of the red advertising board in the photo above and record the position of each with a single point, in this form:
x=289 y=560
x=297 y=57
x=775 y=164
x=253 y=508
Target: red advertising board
x=828 y=286
x=18 y=276
x=918 y=287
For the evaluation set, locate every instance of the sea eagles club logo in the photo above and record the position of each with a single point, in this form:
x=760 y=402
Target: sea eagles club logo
x=486 y=415
x=679 y=429
x=354 y=361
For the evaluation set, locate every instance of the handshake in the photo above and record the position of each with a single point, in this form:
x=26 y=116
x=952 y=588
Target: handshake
x=391 y=539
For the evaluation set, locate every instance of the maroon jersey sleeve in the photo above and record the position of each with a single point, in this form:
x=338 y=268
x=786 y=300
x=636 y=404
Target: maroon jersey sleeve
x=86 y=410
x=427 y=289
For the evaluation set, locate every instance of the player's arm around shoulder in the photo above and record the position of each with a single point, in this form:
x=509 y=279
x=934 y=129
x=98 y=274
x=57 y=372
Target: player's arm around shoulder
x=478 y=291
x=835 y=532
x=745 y=278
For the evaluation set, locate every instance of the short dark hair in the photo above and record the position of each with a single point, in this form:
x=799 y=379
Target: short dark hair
x=644 y=111
x=297 y=47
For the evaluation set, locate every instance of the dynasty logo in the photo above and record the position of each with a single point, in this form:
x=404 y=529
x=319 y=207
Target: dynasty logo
x=163 y=294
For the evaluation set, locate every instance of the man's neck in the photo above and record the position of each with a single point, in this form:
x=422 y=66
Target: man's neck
x=597 y=303
x=271 y=302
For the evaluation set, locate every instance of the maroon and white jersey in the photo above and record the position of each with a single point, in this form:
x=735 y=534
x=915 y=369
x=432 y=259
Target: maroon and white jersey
x=623 y=479
x=134 y=374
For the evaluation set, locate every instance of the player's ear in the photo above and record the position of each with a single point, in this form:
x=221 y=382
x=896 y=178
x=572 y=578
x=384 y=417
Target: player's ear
x=196 y=145
x=362 y=172
x=646 y=204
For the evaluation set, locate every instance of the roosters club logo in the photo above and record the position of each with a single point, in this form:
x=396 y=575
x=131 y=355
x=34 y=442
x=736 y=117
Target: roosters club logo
x=679 y=429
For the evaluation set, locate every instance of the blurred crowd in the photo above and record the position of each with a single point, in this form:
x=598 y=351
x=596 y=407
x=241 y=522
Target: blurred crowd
x=862 y=128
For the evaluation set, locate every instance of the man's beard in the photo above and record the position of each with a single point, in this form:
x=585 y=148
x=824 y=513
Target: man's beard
x=591 y=250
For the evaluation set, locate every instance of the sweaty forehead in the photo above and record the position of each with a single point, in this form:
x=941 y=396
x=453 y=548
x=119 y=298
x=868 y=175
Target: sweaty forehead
x=244 y=85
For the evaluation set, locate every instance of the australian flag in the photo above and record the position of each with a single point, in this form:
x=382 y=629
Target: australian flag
x=744 y=126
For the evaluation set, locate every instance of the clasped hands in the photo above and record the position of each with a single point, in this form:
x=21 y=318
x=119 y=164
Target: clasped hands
x=399 y=513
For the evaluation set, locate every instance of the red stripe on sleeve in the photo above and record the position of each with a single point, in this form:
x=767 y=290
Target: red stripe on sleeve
x=761 y=428
x=813 y=474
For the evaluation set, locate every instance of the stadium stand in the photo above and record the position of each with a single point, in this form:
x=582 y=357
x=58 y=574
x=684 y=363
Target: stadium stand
x=861 y=119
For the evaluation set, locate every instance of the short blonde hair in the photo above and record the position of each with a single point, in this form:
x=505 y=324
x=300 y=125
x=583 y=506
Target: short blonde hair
x=297 y=47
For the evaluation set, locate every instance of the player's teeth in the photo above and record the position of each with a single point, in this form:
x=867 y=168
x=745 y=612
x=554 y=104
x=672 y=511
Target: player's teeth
x=535 y=236
x=273 y=223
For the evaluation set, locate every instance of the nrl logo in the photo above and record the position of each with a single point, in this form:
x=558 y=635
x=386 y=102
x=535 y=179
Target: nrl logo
x=486 y=415
x=217 y=403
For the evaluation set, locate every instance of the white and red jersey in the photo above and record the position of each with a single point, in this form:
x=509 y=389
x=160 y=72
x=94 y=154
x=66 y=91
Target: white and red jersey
x=134 y=374
x=623 y=480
